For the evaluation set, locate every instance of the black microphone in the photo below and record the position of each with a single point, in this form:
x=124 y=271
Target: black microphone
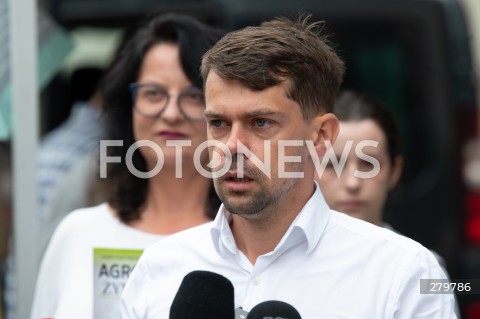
x=203 y=295
x=273 y=309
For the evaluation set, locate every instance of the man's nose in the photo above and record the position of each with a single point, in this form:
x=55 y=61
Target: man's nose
x=237 y=134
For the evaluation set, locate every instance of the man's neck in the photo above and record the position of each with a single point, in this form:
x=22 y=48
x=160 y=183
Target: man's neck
x=255 y=240
x=260 y=234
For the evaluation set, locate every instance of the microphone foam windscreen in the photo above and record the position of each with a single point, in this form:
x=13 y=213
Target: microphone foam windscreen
x=273 y=309
x=202 y=295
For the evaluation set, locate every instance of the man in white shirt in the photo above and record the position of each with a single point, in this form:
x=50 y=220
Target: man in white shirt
x=269 y=92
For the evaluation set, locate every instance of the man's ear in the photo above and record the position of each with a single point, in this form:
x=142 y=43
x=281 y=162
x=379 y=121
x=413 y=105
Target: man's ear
x=325 y=127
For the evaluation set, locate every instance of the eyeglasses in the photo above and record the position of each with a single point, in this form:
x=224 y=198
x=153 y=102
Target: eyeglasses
x=151 y=100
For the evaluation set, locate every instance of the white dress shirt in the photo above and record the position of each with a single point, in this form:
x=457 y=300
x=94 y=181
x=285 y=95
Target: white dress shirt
x=327 y=265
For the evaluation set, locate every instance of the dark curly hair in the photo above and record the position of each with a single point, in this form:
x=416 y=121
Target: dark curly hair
x=126 y=193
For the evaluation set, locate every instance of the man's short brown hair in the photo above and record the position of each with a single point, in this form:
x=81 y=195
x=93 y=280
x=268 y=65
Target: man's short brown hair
x=281 y=49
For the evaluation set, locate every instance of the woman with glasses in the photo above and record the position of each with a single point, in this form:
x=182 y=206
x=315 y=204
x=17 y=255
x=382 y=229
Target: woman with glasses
x=154 y=119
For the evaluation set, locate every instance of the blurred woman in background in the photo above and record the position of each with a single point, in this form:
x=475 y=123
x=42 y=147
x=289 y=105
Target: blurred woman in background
x=153 y=96
x=363 y=118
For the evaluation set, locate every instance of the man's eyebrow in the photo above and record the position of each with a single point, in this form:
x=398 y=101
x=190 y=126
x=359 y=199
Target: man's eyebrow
x=255 y=113
x=208 y=113
x=260 y=112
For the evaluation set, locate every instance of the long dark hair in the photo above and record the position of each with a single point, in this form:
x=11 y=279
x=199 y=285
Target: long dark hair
x=355 y=106
x=126 y=192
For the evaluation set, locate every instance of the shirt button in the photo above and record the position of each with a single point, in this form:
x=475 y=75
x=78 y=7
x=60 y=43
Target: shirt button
x=255 y=281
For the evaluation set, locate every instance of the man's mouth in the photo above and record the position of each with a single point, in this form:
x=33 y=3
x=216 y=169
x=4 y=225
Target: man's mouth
x=236 y=179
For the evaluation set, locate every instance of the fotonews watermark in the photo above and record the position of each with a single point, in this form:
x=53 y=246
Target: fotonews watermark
x=221 y=158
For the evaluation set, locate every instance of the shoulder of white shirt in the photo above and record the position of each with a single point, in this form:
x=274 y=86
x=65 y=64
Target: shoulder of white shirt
x=367 y=229
x=201 y=235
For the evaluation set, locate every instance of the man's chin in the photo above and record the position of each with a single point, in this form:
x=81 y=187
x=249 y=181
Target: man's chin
x=238 y=206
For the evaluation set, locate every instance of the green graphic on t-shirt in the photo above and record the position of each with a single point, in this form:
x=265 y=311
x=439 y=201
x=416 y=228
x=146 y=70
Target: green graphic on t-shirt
x=111 y=269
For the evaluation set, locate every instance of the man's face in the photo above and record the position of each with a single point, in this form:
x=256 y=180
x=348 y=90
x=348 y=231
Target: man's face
x=236 y=114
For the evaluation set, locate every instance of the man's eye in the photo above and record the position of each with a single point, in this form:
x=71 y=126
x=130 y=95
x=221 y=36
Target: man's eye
x=216 y=123
x=262 y=122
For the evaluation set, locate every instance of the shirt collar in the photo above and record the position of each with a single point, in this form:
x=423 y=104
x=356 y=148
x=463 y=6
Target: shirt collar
x=311 y=222
x=221 y=233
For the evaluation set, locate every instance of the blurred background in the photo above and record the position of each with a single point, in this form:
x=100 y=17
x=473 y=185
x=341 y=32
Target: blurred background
x=420 y=57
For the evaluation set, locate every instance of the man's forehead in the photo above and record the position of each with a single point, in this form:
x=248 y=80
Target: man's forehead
x=215 y=83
